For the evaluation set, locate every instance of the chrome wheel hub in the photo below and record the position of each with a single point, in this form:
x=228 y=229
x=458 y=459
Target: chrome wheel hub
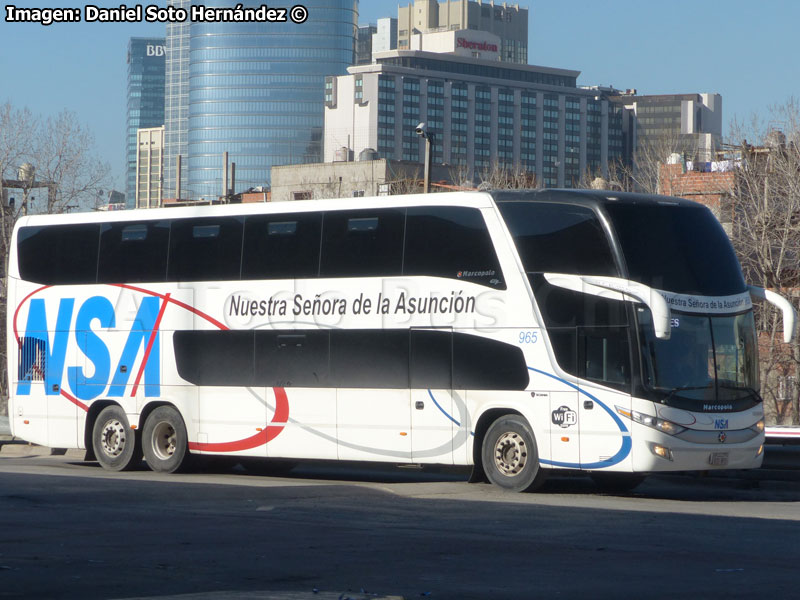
x=113 y=438
x=164 y=440
x=510 y=454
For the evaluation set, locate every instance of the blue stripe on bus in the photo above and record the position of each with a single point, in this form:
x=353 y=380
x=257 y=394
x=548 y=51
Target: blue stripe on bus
x=444 y=412
x=624 y=450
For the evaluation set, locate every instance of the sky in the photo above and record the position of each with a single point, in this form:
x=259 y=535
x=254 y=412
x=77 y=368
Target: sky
x=746 y=51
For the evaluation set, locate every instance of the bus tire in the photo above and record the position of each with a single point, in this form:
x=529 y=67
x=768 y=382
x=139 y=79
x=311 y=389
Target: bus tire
x=510 y=456
x=164 y=440
x=116 y=446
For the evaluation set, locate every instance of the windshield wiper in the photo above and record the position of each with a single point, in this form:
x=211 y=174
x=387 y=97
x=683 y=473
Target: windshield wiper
x=674 y=391
x=741 y=388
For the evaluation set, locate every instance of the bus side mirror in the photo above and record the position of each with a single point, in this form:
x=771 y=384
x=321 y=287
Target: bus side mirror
x=786 y=308
x=619 y=289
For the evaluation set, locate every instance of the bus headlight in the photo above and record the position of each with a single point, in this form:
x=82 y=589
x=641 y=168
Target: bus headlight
x=758 y=427
x=667 y=427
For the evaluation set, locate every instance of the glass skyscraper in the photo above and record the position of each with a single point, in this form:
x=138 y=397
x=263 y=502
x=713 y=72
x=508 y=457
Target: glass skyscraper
x=256 y=91
x=145 y=99
x=176 y=103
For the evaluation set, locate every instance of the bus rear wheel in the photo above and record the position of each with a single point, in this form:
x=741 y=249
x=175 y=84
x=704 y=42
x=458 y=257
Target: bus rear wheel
x=164 y=440
x=510 y=456
x=115 y=444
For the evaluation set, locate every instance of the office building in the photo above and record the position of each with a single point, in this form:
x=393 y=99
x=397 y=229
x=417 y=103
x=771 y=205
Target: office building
x=385 y=36
x=254 y=90
x=689 y=124
x=364 y=44
x=508 y=22
x=480 y=114
x=146 y=70
x=149 y=167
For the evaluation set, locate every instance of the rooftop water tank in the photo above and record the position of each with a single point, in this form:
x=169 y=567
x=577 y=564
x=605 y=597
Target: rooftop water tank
x=368 y=154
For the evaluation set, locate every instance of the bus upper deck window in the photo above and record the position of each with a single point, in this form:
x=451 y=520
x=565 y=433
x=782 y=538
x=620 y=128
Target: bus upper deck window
x=282 y=228
x=134 y=233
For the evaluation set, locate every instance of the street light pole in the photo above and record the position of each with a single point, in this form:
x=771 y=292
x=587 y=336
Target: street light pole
x=422 y=131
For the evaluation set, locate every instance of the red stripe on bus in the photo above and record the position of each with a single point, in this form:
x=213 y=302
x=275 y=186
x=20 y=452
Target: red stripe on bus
x=74 y=400
x=19 y=306
x=272 y=430
x=149 y=345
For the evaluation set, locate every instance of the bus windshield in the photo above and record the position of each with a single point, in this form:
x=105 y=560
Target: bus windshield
x=709 y=363
x=676 y=248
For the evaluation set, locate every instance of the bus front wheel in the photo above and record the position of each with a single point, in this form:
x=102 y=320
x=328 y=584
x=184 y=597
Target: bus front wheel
x=510 y=457
x=115 y=444
x=164 y=440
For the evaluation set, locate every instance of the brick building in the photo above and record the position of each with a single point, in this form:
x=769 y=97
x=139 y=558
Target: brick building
x=711 y=184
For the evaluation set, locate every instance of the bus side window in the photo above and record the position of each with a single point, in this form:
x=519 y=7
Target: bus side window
x=481 y=363
x=452 y=242
x=369 y=358
x=205 y=249
x=215 y=357
x=60 y=254
x=284 y=246
x=605 y=356
x=559 y=238
x=293 y=358
x=601 y=350
x=431 y=359
x=362 y=243
x=133 y=252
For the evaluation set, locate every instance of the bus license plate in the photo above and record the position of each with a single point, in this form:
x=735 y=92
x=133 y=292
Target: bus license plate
x=718 y=459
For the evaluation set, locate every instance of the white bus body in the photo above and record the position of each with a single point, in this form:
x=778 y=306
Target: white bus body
x=400 y=329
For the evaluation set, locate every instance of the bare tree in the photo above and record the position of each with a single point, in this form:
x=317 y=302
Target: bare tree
x=766 y=235
x=501 y=176
x=461 y=175
x=16 y=148
x=644 y=174
x=59 y=160
x=64 y=155
x=616 y=178
x=407 y=183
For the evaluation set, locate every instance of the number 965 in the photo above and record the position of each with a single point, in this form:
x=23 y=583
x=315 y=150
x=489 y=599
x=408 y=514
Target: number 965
x=528 y=337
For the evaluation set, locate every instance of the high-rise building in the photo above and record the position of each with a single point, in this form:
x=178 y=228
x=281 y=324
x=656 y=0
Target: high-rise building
x=364 y=44
x=385 y=36
x=508 y=22
x=145 y=99
x=254 y=90
x=481 y=114
x=176 y=104
x=149 y=167
x=688 y=124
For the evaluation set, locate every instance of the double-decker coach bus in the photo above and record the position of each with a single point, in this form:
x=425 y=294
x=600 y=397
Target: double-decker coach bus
x=518 y=332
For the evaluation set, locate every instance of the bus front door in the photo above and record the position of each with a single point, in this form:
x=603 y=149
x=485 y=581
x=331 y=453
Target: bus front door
x=604 y=359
